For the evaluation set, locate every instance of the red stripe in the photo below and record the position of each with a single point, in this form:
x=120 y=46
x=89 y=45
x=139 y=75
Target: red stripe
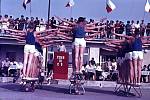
x=108 y=9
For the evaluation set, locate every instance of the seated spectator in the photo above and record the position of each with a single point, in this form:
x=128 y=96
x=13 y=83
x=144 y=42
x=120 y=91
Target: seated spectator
x=90 y=71
x=5 y=66
x=84 y=71
x=114 y=65
x=98 y=72
x=13 y=68
x=143 y=76
x=109 y=64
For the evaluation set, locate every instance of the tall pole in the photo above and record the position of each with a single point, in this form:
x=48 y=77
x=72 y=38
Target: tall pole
x=49 y=6
x=30 y=9
x=0 y=7
x=46 y=55
x=70 y=12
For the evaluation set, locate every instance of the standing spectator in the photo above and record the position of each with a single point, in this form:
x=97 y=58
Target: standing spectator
x=121 y=29
x=50 y=67
x=132 y=27
x=61 y=47
x=128 y=28
x=148 y=29
x=114 y=65
x=21 y=23
x=5 y=23
x=53 y=22
x=11 y=22
x=1 y=20
x=27 y=22
x=108 y=29
x=16 y=23
x=93 y=62
x=112 y=28
x=36 y=22
x=5 y=66
x=137 y=25
x=31 y=22
x=142 y=28
x=109 y=64
x=117 y=27
x=71 y=19
x=42 y=25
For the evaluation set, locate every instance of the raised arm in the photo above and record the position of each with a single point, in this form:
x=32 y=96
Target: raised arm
x=71 y=23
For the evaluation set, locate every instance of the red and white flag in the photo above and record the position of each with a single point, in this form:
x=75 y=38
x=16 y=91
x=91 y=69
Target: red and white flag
x=147 y=6
x=70 y=3
x=25 y=2
x=110 y=6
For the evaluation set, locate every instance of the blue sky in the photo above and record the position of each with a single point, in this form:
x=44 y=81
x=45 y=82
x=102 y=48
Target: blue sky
x=126 y=9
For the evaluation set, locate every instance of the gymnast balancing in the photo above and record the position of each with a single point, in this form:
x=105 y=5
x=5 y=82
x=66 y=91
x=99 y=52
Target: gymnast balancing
x=79 y=38
x=134 y=54
x=29 y=37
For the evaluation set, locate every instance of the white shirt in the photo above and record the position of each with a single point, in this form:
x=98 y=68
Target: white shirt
x=90 y=68
x=137 y=25
x=114 y=64
x=99 y=68
x=62 y=48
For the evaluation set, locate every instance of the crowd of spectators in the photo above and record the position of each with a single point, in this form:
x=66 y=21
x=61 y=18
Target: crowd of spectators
x=118 y=26
x=10 y=68
x=95 y=71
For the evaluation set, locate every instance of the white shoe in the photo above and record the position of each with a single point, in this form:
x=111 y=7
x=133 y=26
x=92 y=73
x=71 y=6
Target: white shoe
x=21 y=83
x=138 y=84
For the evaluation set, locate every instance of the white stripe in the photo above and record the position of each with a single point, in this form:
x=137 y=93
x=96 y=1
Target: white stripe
x=111 y=4
x=25 y=2
x=147 y=6
x=71 y=3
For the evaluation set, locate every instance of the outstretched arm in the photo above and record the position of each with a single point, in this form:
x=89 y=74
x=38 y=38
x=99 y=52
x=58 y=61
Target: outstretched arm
x=16 y=31
x=64 y=27
x=71 y=23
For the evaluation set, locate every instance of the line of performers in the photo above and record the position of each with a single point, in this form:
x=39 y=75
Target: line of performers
x=129 y=49
x=35 y=41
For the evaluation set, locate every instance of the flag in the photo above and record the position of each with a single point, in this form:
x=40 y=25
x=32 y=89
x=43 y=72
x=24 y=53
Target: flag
x=70 y=3
x=110 y=6
x=25 y=2
x=147 y=6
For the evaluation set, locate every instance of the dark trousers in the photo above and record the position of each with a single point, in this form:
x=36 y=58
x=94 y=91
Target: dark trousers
x=5 y=71
x=98 y=74
x=143 y=78
x=90 y=75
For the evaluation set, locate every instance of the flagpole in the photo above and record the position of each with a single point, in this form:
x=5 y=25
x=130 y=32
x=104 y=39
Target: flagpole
x=30 y=9
x=70 y=12
x=47 y=26
x=0 y=6
x=49 y=6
